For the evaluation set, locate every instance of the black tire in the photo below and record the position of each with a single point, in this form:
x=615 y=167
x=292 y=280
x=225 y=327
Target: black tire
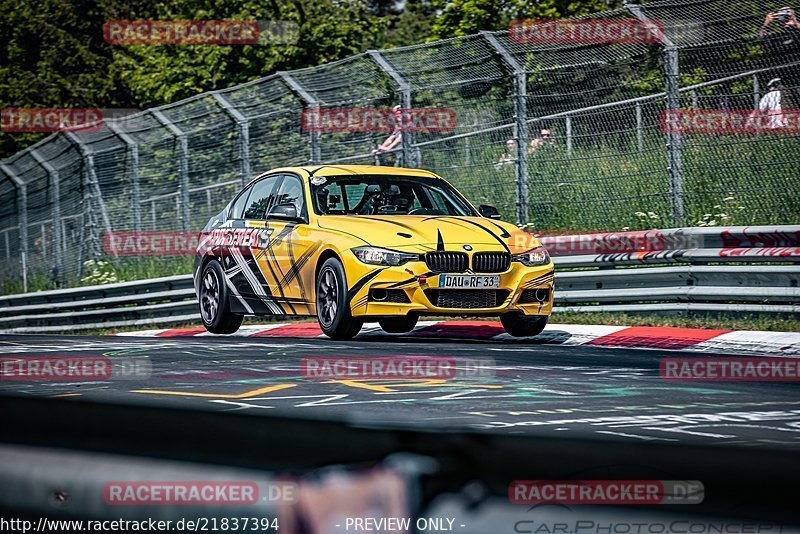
x=398 y=325
x=333 y=305
x=215 y=310
x=519 y=325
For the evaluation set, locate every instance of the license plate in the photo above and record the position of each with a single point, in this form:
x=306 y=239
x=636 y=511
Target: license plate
x=468 y=281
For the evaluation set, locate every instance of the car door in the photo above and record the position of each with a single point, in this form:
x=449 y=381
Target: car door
x=292 y=245
x=251 y=237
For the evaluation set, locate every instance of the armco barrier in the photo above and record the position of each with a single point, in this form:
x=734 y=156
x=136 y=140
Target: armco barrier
x=732 y=270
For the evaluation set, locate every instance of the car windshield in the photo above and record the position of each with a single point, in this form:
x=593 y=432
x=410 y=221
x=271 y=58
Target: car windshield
x=387 y=195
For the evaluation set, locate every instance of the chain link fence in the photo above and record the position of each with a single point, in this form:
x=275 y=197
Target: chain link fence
x=561 y=137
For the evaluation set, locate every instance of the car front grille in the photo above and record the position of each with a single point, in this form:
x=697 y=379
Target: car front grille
x=446 y=262
x=532 y=296
x=397 y=296
x=466 y=298
x=491 y=262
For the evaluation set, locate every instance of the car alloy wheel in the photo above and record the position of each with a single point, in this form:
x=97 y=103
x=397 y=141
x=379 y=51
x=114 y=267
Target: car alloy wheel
x=215 y=308
x=328 y=297
x=209 y=295
x=333 y=303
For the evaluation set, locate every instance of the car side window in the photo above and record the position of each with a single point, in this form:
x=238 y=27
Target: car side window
x=262 y=197
x=291 y=192
x=238 y=206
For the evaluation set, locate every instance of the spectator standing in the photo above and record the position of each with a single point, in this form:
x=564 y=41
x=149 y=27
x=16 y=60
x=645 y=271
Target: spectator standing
x=509 y=156
x=772 y=104
x=544 y=139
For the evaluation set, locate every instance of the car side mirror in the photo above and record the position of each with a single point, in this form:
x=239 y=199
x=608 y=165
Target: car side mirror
x=490 y=212
x=284 y=211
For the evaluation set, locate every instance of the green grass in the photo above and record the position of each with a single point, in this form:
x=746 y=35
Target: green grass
x=152 y=267
x=107 y=270
x=728 y=180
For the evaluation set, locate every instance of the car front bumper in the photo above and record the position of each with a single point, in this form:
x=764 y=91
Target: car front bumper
x=377 y=291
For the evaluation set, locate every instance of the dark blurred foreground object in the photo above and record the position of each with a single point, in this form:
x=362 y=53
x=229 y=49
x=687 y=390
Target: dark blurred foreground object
x=55 y=454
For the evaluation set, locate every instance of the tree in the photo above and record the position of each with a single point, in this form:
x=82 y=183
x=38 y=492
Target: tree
x=328 y=30
x=465 y=17
x=382 y=8
x=53 y=55
x=413 y=24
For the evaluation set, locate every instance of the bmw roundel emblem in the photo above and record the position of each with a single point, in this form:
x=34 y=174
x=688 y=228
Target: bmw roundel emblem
x=467 y=247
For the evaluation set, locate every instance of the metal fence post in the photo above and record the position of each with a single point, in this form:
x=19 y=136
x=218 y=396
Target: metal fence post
x=55 y=192
x=133 y=154
x=91 y=177
x=22 y=219
x=243 y=126
x=756 y=92
x=520 y=125
x=404 y=88
x=568 y=129
x=639 y=138
x=89 y=183
x=313 y=104
x=674 y=139
x=183 y=165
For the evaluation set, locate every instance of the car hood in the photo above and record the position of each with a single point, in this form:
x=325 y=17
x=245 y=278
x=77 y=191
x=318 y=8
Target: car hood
x=407 y=232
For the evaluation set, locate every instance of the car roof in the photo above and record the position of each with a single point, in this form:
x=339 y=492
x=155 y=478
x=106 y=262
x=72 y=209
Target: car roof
x=306 y=171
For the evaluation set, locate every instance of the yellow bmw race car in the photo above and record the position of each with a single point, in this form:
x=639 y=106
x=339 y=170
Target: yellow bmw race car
x=356 y=243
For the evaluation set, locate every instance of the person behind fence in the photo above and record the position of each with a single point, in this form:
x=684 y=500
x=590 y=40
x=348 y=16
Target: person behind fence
x=773 y=104
x=509 y=156
x=788 y=31
x=396 y=137
x=543 y=140
x=55 y=277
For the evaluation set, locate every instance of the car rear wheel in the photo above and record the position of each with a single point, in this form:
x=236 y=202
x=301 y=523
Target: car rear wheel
x=214 y=306
x=519 y=325
x=398 y=325
x=333 y=305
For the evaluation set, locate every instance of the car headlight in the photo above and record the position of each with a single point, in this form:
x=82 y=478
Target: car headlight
x=382 y=256
x=537 y=256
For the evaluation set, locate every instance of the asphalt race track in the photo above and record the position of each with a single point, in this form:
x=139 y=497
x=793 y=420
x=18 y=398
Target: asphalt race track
x=583 y=391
